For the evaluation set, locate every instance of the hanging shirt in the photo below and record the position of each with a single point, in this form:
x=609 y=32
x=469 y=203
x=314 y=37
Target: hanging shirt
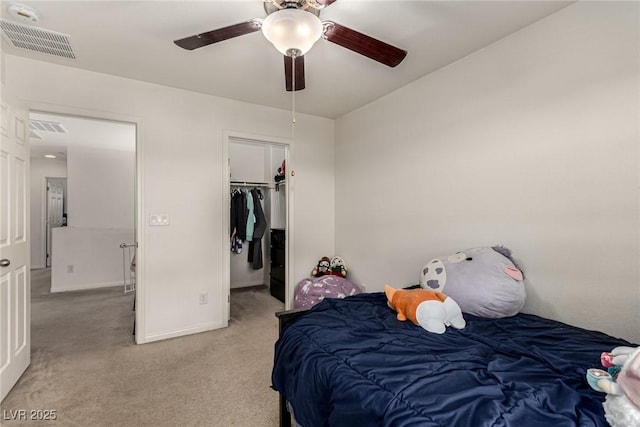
x=251 y=218
x=233 y=222
x=255 y=246
x=238 y=225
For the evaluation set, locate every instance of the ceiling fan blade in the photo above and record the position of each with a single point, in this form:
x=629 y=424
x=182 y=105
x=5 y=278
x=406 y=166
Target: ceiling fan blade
x=363 y=44
x=288 y=71
x=210 y=37
x=325 y=2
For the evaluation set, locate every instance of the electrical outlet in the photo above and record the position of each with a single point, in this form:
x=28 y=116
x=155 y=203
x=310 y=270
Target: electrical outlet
x=70 y=268
x=204 y=298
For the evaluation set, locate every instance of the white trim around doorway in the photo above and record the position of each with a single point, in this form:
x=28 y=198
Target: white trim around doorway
x=141 y=294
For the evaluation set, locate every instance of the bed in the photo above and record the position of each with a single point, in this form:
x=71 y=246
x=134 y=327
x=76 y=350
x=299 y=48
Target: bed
x=350 y=362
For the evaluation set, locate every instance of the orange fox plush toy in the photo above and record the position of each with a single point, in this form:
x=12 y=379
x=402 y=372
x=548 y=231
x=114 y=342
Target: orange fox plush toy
x=434 y=311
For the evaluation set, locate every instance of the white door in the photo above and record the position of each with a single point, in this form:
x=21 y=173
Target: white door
x=55 y=194
x=15 y=279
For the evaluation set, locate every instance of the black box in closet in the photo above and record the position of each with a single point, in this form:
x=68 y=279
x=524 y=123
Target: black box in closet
x=277 y=263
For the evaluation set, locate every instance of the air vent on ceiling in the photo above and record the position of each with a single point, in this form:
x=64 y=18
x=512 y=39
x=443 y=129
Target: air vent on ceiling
x=37 y=39
x=47 y=126
x=34 y=135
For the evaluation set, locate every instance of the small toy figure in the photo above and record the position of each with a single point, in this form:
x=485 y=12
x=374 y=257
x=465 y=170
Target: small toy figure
x=281 y=175
x=323 y=267
x=338 y=268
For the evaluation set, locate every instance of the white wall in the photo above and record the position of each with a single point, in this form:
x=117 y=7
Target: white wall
x=247 y=162
x=531 y=142
x=180 y=144
x=101 y=186
x=100 y=209
x=41 y=169
x=87 y=258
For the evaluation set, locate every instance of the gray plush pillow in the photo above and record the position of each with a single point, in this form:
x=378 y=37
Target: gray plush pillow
x=483 y=281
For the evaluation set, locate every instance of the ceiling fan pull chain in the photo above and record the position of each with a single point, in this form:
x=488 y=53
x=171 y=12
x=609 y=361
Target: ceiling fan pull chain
x=293 y=87
x=293 y=97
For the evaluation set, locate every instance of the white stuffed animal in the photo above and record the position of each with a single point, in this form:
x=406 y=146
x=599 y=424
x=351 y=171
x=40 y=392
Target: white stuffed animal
x=622 y=405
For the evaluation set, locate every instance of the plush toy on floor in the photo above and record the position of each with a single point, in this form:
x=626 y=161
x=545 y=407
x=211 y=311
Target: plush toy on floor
x=434 y=311
x=622 y=405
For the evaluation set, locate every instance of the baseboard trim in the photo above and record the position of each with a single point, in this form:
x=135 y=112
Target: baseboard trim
x=246 y=284
x=85 y=287
x=181 y=332
x=250 y=288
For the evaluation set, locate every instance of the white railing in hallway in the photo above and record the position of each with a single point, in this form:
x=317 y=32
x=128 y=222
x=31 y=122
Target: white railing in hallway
x=129 y=266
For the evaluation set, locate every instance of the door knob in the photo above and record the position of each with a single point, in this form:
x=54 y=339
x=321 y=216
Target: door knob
x=4 y=262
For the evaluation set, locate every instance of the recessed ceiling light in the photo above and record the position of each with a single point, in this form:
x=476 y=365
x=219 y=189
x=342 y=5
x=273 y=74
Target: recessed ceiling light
x=50 y=156
x=23 y=12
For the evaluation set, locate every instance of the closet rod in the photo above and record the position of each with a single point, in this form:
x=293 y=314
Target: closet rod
x=249 y=184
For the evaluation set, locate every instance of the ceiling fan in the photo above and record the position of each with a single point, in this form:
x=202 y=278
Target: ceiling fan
x=293 y=26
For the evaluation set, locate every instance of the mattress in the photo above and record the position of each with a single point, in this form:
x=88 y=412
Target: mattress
x=350 y=362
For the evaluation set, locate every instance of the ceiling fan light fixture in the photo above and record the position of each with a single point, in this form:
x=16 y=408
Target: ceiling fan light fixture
x=292 y=31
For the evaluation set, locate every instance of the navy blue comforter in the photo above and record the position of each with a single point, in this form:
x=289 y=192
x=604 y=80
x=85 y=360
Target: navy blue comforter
x=350 y=362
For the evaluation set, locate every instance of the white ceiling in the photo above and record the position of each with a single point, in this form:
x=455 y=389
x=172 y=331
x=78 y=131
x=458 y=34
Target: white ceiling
x=81 y=132
x=134 y=39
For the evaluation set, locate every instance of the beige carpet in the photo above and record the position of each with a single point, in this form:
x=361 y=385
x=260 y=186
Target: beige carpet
x=86 y=367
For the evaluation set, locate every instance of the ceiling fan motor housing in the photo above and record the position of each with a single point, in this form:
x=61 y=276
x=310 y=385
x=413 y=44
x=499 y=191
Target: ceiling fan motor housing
x=292 y=31
x=311 y=6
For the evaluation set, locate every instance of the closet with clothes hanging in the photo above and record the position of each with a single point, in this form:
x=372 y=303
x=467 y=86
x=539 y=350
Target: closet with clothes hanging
x=247 y=221
x=256 y=208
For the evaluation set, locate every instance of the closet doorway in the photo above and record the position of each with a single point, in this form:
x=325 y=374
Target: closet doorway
x=259 y=186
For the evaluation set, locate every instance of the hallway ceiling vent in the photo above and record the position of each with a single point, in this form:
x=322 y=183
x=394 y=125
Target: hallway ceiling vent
x=37 y=39
x=34 y=135
x=46 y=126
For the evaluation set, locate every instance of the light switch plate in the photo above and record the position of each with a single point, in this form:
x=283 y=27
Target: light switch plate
x=159 y=219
